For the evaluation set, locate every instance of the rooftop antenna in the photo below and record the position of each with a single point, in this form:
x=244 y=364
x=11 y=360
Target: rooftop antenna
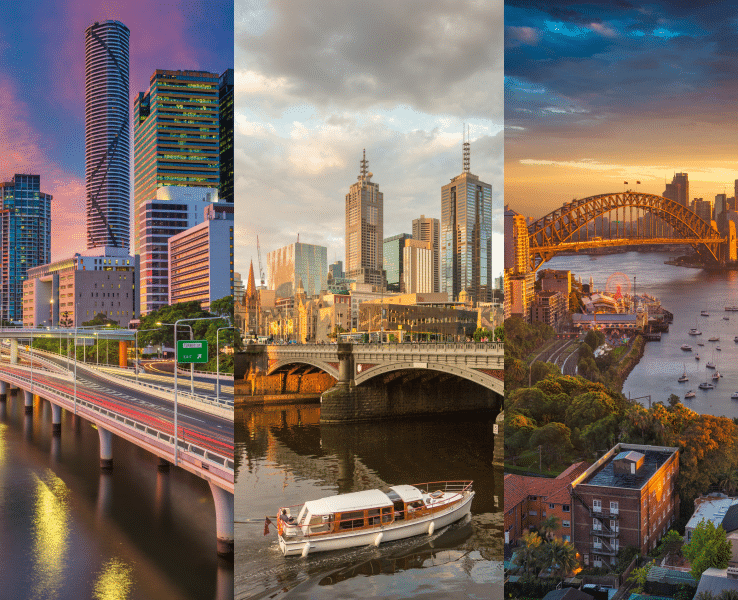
x=364 y=164
x=465 y=136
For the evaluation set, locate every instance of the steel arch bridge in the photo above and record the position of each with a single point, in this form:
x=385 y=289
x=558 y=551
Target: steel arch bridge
x=556 y=232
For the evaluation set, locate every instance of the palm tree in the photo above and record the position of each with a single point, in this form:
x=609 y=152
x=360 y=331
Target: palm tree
x=527 y=556
x=729 y=483
x=549 y=526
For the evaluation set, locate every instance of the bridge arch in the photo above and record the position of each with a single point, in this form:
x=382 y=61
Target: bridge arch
x=486 y=381
x=318 y=364
x=554 y=232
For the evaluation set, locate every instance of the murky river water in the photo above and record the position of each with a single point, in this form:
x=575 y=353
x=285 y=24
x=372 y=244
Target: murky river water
x=284 y=456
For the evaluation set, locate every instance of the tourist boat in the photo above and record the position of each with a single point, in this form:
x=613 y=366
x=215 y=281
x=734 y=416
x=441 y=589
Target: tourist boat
x=686 y=347
x=706 y=386
x=372 y=517
x=689 y=394
x=714 y=338
x=704 y=313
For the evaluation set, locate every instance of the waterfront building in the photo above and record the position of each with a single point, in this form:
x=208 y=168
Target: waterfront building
x=428 y=229
x=197 y=257
x=393 y=253
x=531 y=500
x=553 y=280
x=225 y=99
x=172 y=211
x=297 y=264
x=25 y=227
x=417 y=273
x=176 y=137
x=74 y=290
x=365 y=230
x=627 y=498
x=550 y=308
x=107 y=133
x=466 y=236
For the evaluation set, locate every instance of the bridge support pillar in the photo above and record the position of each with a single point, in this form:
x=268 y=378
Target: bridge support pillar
x=55 y=419
x=106 y=449
x=3 y=391
x=13 y=352
x=345 y=364
x=163 y=465
x=223 y=520
x=28 y=401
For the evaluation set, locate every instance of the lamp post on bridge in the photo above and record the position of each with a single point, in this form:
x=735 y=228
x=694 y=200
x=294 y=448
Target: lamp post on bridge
x=217 y=363
x=192 y=366
x=136 y=354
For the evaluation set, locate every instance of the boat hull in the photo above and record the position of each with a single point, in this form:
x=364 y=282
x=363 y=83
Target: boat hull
x=396 y=531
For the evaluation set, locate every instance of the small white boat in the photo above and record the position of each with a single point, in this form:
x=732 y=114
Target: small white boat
x=372 y=517
x=695 y=331
x=700 y=344
x=706 y=386
x=686 y=347
x=696 y=356
x=683 y=378
x=689 y=394
x=704 y=313
x=718 y=348
x=731 y=308
x=714 y=338
x=734 y=396
x=726 y=318
x=709 y=364
x=716 y=376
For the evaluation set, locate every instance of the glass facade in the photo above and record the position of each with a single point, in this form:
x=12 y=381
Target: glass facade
x=393 y=259
x=226 y=136
x=26 y=238
x=297 y=264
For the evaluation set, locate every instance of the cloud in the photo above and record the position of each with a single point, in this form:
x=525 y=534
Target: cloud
x=517 y=36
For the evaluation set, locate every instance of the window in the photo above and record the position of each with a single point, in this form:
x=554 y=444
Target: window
x=566 y=523
x=551 y=506
x=566 y=508
x=597 y=505
x=596 y=525
x=614 y=508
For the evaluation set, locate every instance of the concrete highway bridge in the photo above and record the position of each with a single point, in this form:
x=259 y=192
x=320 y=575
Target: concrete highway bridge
x=141 y=413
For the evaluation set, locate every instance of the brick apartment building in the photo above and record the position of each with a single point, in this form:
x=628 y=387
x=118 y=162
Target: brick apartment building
x=627 y=498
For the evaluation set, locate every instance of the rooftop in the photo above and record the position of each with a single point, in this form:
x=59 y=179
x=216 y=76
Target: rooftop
x=603 y=472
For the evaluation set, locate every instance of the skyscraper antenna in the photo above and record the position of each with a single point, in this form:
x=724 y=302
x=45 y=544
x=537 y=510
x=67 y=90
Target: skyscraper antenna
x=465 y=136
x=364 y=164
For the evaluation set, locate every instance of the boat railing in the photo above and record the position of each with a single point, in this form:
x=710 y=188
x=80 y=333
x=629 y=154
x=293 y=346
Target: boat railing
x=458 y=487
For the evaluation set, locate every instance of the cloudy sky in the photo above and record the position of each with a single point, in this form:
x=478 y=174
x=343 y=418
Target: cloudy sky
x=42 y=84
x=317 y=81
x=598 y=93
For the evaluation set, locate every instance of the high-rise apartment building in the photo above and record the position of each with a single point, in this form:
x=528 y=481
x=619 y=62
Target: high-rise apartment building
x=176 y=136
x=297 y=266
x=107 y=132
x=364 y=229
x=25 y=227
x=519 y=279
x=429 y=230
x=417 y=272
x=225 y=95
x=198 y=257
x=678 y=189
x=466 y=236
x=393 y=254
x=172 y=211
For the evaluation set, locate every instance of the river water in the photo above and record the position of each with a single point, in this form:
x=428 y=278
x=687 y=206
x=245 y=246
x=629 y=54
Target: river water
x=70 y=531
x=685 y=292
x=284 y=456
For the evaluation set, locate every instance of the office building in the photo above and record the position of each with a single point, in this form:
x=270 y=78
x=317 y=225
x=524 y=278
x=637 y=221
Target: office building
x=428 y=229
x=336 y=269
x=364 y=230
x=628 y=498
x=25 y=227
x=297 y=265
x=197 y=258
x=107 y=132
x=466 y=236
x=393 y=253
x=72 y=291
x=176 y=137
x=678 y=189
x=225 y=95
x=417 y=274
x=172 y=211
x=702 y=208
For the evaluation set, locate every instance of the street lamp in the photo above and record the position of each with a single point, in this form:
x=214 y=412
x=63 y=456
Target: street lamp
x=136 y=355
x=192 y=365
x=217 y=362
x=176 y=445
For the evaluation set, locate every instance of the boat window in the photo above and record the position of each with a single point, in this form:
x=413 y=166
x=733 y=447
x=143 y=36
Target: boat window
x=372 y=516
x=413 y=506
x=301 y=516
x=352 y=520
x=399 y=508
x=387 y=514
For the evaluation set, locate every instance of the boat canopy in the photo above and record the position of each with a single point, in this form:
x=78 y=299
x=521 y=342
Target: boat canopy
x=348 y=502
x=408 y=493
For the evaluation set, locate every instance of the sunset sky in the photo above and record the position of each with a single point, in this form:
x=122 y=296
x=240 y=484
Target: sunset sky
x=318 y=81
x=598 y=93
x=42 y=80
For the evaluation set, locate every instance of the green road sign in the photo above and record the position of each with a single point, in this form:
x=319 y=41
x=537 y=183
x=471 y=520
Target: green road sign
x=192 y=351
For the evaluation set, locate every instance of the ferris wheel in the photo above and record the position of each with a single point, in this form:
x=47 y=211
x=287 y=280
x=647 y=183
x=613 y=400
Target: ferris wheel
x=617 y=285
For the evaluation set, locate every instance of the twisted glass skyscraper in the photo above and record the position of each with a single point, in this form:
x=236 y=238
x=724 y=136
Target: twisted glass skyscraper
x=107 y=133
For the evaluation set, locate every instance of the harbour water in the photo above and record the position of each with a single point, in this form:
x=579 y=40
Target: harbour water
x=70 y=531
x=284 y=456
x=685 y=292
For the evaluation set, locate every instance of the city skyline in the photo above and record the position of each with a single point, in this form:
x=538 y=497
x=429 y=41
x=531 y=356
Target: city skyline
x=42 y=129
x=306 y=127
x=599 y=94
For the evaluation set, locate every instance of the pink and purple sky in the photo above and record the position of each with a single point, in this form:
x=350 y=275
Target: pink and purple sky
x=42 y=77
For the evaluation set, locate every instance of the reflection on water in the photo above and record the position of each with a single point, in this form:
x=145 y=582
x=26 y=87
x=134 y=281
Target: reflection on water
x=114 y=582
x=50 y=534
x=284 y=456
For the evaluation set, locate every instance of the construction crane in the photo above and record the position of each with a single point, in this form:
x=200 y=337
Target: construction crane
x=258 y=254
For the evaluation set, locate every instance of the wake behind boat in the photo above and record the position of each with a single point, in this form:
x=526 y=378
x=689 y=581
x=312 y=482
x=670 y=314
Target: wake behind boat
x=372 y=517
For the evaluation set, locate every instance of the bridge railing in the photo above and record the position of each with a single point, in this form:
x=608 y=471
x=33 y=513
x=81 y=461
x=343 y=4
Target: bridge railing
x=215 y=452
x=429 y=346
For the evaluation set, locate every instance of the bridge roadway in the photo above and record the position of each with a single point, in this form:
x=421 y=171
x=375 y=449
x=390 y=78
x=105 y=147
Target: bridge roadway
x=141 y=416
